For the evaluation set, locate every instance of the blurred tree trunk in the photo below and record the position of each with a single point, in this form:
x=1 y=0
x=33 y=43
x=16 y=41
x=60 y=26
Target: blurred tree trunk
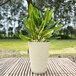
x=29 y=2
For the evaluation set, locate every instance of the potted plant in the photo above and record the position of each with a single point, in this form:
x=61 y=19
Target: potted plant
x=39 y=29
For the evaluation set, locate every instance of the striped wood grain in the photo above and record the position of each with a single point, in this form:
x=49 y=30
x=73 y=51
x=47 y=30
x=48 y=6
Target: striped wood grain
x=21 y=67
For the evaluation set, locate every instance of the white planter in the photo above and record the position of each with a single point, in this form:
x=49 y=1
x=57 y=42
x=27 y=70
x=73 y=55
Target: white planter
x=38 y=52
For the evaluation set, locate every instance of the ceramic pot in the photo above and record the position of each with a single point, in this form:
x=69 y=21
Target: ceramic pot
x=38 y=52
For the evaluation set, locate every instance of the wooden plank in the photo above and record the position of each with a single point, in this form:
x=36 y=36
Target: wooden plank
x=61 y=65
x=53 y=69
x=16 y=69
x=21 y=67
x=10 y=66
x=26 y=63
x=56 y=71
x=2 y=61
x=6 y=66
x=71 y=68
x=59 y=70
x=69 y=71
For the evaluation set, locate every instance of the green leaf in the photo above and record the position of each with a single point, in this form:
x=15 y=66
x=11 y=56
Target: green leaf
x=58 y=27
x=46 y=33
x=27 y=24
x=53 y=25
x=34 y=18
x=25 y=20
x=40 y=14
x=30 y=10
x=41 y=28
x=46 y=14
x=50 y=15
x=36 y=12
x=39 y=21
x=25 y=38
x=50 y=23
x=28 y=31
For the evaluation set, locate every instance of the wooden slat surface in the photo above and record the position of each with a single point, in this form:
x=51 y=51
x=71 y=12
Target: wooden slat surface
x=21 y=67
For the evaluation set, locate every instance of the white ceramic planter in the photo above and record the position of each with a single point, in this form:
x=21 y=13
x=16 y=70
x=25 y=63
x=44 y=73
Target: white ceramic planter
x=38 y=52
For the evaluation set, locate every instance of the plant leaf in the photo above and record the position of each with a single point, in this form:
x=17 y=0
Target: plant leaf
x=53 y=25
x=58 y=27
x=50 y=15
x=25 y=38
x=30 y=10
x=48 y=25
x=41 y=28
x=46 y=16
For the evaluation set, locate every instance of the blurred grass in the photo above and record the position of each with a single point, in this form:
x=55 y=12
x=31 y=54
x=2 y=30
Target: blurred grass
x=56 y=47
x=13 y=44
x=60 y=44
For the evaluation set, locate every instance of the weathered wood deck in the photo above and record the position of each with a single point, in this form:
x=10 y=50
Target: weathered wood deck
x=21 y=67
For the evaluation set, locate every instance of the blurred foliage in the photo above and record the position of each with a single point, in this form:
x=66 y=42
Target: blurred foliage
x=63 y=9
x=66 y=33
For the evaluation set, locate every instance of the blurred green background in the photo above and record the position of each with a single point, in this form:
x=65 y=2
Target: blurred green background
x=11 y=25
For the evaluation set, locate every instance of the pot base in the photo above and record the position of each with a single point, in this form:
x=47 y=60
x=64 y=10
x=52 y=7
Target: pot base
x=36 y=72
x=38 y=66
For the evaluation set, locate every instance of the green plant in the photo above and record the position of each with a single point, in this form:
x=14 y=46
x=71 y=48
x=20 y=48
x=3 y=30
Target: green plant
x=39 y=27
